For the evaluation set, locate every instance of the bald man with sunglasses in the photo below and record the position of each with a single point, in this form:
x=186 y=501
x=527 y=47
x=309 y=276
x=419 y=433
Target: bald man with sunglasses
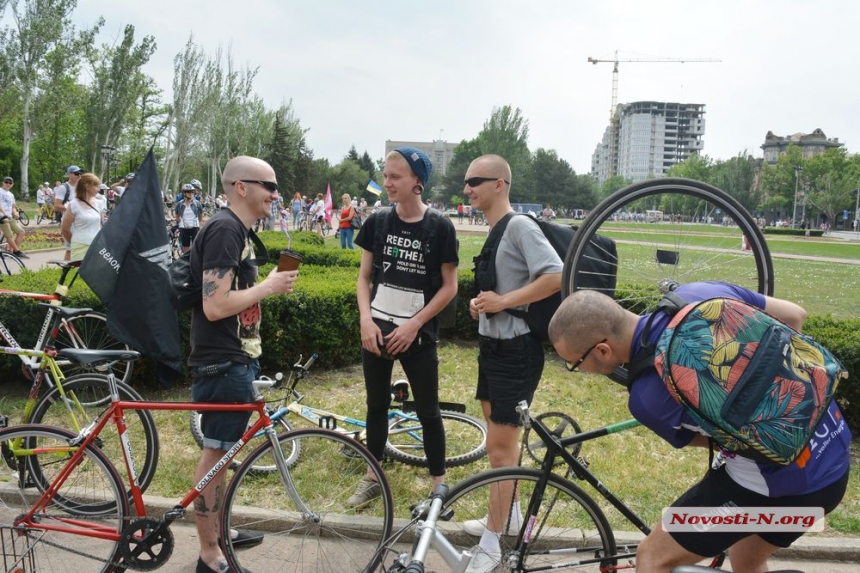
x=511 y=357
x=225 y=333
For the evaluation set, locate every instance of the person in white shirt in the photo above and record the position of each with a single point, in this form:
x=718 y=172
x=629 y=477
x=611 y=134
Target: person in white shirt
x=189 y=216
x=318 y=213
x=83 y=217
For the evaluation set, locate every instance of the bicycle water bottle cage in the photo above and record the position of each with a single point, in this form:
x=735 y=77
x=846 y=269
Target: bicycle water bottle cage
x=400 y=391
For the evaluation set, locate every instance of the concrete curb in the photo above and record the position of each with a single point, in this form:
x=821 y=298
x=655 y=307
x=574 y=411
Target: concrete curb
x=807 y=548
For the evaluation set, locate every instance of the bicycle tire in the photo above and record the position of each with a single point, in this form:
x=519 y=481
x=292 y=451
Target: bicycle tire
x=325 y=536
x=93 y=392
x=281 y=425
x=23 y=218
x=687 y=252
x=464 y=434
x=90 y=331
x=39 y=216
x=570 y=527
x=11 y=264
x=95 y=478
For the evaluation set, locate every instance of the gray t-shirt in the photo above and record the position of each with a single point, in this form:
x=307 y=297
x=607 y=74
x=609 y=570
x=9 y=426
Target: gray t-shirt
x=524 y=254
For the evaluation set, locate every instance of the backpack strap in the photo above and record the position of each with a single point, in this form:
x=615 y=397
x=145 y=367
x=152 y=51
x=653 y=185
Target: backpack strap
x=485 y=262
x=669 y=304
x=427 y=236
x=68 y=193
x=260 y=250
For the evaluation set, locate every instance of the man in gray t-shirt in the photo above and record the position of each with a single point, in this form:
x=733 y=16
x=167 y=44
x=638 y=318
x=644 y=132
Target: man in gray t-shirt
x=511 y=357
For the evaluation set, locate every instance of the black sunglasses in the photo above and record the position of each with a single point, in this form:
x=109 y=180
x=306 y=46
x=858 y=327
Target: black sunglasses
x=475 y=181
x=270 y=186
x=574 y=366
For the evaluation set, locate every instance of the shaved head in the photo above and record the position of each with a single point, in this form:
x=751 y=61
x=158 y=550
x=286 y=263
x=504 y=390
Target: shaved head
x=586 y=315
x=244 y=167
x=493 y=166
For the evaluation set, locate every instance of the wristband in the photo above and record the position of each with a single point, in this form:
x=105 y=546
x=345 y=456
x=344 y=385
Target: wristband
x=67 y=245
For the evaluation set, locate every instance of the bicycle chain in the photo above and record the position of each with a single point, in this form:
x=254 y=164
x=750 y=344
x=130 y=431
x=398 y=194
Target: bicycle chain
x=39 y=538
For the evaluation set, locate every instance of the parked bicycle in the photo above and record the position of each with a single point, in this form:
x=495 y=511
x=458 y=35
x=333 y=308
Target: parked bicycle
x=466 y=436
x=66 y=327
x=76 y=515
x=74 y=402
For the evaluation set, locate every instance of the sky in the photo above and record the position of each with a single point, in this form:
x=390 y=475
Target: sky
x=361 y=72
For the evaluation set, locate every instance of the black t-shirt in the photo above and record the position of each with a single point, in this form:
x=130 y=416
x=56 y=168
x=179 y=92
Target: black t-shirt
x=223 y=243
x=404 y=288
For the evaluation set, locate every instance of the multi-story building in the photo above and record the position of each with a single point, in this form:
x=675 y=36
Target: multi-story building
x=646 y=138
x=811 y=144
x=439 y=151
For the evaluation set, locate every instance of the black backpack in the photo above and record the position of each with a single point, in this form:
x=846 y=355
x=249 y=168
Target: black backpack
x=448 y=316
x=603 y=257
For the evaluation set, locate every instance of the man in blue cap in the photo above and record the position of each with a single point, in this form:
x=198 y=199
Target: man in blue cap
x=408 y=275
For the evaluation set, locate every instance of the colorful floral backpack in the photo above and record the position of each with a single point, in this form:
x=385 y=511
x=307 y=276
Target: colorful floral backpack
x=756 y=386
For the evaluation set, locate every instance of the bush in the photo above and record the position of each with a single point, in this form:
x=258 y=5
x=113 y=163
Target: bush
x=792 y=232
x=842 y=338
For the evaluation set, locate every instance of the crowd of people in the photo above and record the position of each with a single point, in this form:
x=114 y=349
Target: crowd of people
x=407 y=276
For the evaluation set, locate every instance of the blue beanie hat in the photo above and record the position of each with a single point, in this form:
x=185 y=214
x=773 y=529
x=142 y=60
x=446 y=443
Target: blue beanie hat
x=418 y=161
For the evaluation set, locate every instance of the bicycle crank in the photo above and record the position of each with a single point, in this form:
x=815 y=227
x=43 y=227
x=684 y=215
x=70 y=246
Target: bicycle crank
x=146 y=544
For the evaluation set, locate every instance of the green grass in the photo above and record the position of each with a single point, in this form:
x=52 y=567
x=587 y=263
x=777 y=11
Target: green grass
x=644 y=471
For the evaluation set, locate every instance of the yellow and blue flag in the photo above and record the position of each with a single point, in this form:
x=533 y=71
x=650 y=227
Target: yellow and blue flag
x=373 y=187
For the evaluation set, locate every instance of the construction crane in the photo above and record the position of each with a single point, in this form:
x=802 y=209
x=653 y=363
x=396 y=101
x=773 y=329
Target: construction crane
x=616 y=60
x=613 y=115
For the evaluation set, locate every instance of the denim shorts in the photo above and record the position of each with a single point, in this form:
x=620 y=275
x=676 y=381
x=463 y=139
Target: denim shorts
x=508 y=372
x=221 y=430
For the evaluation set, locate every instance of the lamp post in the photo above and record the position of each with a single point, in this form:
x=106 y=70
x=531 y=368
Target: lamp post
x=857 y=212
x=797 y=170
x=107 y=156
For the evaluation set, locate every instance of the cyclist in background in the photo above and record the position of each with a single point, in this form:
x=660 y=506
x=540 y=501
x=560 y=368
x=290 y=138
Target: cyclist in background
x=189 y=217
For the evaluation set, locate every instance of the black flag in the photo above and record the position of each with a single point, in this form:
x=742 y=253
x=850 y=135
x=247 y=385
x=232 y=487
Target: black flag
x=126 y=266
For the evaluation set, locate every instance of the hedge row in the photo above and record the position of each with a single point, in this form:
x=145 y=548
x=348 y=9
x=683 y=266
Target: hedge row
x=321 y=317
x=793 y=232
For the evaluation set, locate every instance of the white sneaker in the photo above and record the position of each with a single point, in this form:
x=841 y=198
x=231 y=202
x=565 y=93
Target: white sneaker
x=483 y=561
x=476 y=527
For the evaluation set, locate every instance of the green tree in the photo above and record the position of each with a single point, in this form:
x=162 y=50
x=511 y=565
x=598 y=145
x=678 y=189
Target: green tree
x=118 y=83
x=737 y=177
x=368 y=165
x=549 y=180
x=352 y=154
x=39 y=26
x=347 y=177
x=612 y=185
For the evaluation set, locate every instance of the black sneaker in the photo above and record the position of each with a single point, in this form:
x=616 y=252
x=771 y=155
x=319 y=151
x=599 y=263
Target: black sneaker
x=21 y=255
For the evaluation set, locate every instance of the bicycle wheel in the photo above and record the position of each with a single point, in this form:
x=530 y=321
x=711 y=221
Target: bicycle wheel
x=465 y=440
x=93 y=393
x=668 y=232
x=23 y=218
x=281 y=425
x=12 y=265
x=94 y=480
x=569 y=533
x=90 y=331
x=321 y=533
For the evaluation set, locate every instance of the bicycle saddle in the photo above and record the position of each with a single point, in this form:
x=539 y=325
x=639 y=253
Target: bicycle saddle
x=87 y=356
x=66 y=312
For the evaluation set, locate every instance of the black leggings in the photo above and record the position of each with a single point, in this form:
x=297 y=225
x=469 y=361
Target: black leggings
x=421 y=365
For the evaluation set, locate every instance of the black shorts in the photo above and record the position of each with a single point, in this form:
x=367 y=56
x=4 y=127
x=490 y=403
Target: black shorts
x=718 y=489
x=186 y=236
x=508 y=372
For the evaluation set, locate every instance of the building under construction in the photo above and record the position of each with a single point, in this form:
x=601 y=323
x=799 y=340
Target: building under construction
x=647 y=138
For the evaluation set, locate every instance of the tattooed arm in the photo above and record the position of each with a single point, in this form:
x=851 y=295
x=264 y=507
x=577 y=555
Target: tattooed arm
x=219 y=301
